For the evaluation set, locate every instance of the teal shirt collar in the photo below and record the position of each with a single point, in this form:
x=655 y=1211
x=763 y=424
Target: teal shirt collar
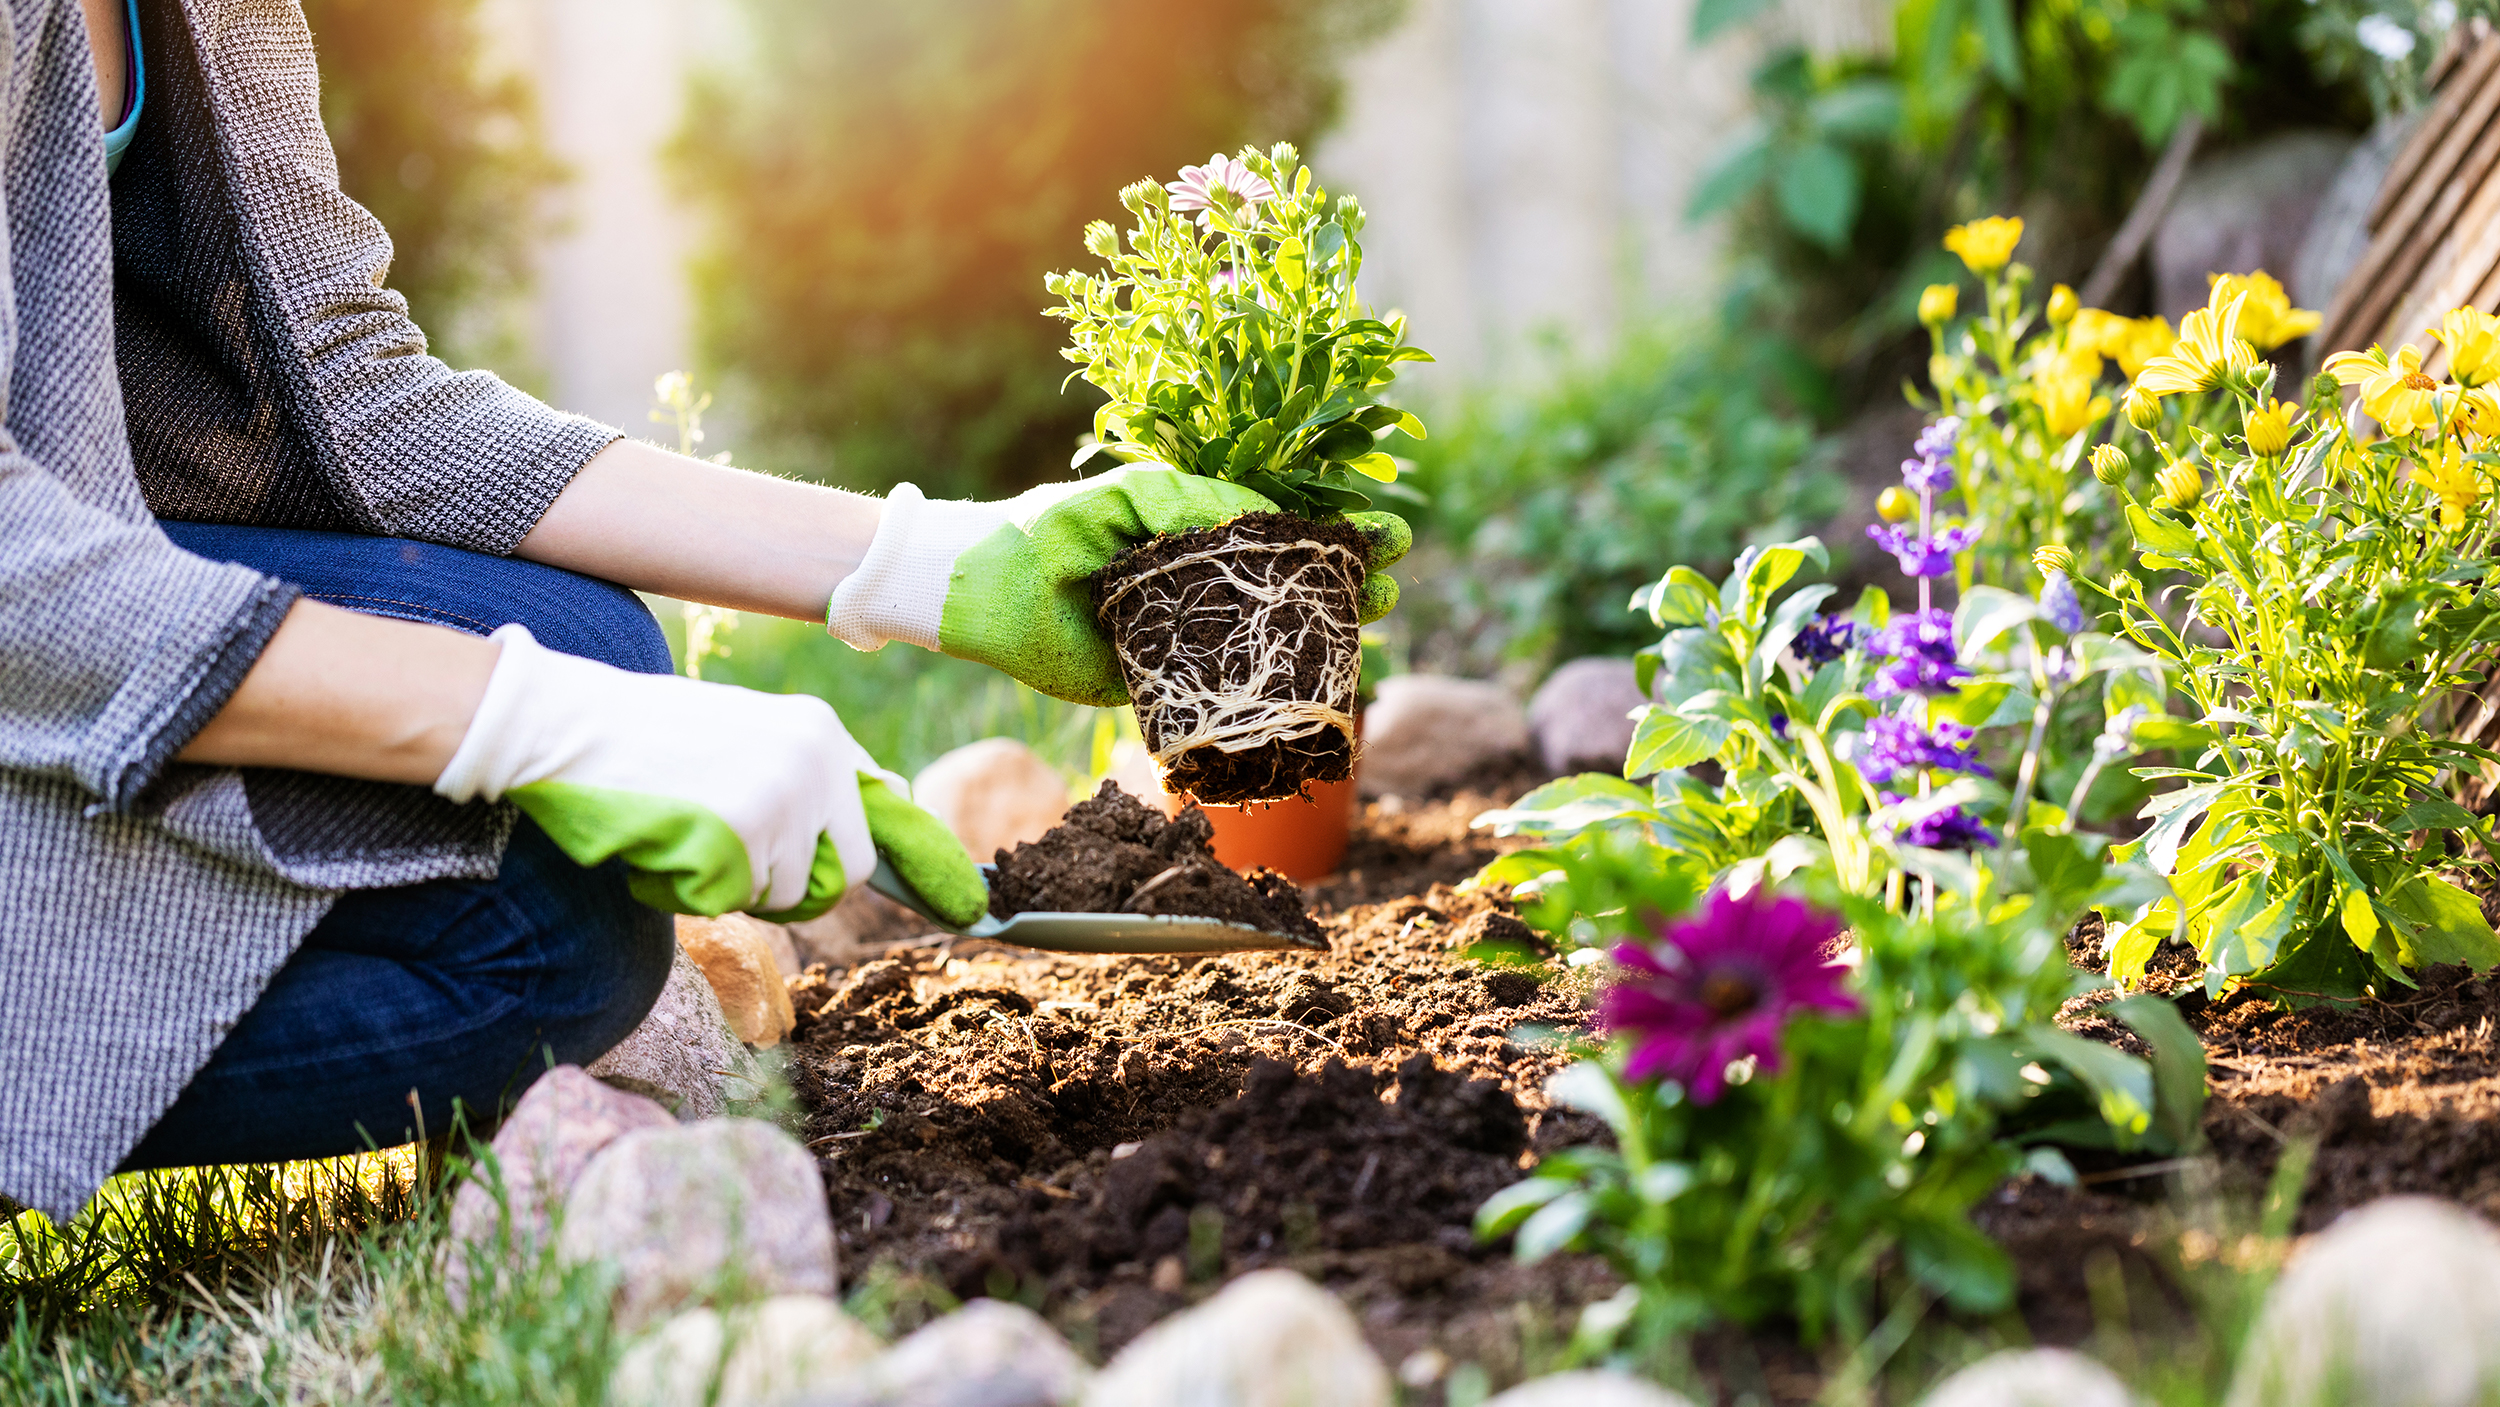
x=118 y=140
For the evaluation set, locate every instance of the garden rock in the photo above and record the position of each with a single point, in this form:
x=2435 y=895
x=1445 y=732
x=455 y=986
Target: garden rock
x=2240 y=211
x=2395 y=1305
x=1590 y=1390
x=683 y=1053
x=1270 y=1339
x=676 y=1208
x=1581 y=715
x=2037 y=1377
x=992 y=794
x=1428 y=730
x=561 y=1123
x=987 y=1354
x=761 y=1354
x=736 y=955
x=2339 y=233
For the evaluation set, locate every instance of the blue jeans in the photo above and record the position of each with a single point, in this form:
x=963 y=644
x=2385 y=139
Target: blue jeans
x=403 y=1002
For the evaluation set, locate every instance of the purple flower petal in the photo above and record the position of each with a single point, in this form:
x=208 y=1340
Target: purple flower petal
x=1722 y=985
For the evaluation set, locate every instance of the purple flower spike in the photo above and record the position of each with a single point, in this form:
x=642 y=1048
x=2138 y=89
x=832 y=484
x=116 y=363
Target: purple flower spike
x=1922 y=556
x=1825 y=638
x=2060 y=604
x=1931 y=472
x=1718 y=987
x=1924 y=660
x=1949 y=829
x=1893 y=746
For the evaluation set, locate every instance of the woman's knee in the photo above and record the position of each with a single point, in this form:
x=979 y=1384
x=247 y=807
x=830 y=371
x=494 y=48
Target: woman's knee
x=603 y=955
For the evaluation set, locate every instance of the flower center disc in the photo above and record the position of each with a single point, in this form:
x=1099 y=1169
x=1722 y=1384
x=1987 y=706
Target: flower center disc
x=2420 y=381
x=1729 y=993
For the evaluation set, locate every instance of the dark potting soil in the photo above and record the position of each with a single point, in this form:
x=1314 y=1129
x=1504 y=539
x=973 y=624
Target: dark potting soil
x=1113 y=1139
x=1192 y=620
x=1115 y=855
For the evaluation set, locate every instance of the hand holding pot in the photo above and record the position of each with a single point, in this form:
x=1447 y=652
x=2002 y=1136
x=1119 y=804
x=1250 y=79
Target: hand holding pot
x=717 y=798
x=1006 y=584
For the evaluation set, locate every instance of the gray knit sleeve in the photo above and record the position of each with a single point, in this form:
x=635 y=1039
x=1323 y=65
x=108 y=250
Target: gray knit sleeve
x=429 y=452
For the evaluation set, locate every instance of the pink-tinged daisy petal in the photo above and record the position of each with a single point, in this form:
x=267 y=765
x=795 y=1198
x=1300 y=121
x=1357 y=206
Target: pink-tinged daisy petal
x=1718 y=987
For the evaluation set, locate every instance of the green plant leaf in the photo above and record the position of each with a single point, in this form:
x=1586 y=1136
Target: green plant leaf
x=2437 y=922
x=1550 y=1228
x=1739 y=170
x=2432 y=812
x=1950 y=1257
x=1665 y=738
x=2161 y=534
x=1377 y=466
x=1711 y=16
x=1986 y=613
x=2178 y=1068
x=1682 y=597
x=1592 y=1089
x=1504 y=1210
x=2122 y=1084
x=1816 y=185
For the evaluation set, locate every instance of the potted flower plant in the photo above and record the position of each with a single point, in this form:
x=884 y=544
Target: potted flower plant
x=1231 y=341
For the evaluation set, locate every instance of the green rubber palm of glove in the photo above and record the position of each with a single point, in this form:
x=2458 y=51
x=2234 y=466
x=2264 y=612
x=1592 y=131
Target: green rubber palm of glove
x=926 y=854
x=1020 y=599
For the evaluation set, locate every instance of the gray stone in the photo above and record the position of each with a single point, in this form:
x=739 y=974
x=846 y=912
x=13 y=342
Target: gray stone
x=1427 y=730
x=1269 y=1339
x=2339 y=233
x=680 y=1211
x=1589 y=1390
x=2395 y=1305
x=2242 y=210
x=561 y=1123
x=986 y=1354
x=2035 y=1377
x=1581 y=715
x=992 y=794
x=758 y=1355
x=683 y=1053
x=735 y=954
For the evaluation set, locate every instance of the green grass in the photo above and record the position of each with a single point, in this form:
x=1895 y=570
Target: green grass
x=904 y=704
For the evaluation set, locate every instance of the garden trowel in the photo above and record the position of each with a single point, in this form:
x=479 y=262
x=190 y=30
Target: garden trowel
x=1099 y=933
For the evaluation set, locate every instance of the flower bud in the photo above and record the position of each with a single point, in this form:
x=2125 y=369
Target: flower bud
x=2269 y=429
x=2181 y=486
x=1936 y=304
x=2143 y=409
x=2109 y=465
x=2063 y=305
x=2052 y=557
x=1896 y=504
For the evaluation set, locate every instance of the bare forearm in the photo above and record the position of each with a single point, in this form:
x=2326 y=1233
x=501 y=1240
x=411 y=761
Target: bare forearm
x=353 y=696
x=662 y=522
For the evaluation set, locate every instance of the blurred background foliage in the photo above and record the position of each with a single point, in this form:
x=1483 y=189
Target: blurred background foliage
x=450 y=156
x=885 y=185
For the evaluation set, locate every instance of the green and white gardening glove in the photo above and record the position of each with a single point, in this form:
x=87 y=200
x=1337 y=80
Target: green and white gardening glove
x=716 y=798
x=1005 y=583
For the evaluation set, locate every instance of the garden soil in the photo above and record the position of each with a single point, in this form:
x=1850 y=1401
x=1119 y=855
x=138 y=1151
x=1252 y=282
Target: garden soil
x=1111 y=1139
x=1114 y=854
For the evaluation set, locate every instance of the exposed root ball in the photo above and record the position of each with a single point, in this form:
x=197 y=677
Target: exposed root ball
x=1242 y=653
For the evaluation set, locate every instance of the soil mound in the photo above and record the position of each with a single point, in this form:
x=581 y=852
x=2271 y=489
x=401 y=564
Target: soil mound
x=1116 y=855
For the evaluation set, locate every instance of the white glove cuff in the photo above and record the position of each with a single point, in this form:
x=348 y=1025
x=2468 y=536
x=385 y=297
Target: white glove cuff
x=899 y=591
x=486 y=763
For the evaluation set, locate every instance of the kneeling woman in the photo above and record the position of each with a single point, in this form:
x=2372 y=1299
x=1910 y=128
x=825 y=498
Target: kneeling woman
x=341 y=777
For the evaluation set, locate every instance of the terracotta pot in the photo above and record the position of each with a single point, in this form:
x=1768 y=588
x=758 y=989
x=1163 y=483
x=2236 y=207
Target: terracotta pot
x=1304 y=839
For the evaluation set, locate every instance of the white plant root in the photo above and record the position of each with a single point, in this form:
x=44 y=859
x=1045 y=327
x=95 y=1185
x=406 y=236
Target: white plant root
x=1200 y=697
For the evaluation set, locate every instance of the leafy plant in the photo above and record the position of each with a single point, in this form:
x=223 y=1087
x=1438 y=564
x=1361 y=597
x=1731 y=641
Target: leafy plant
x=2330 y=602
x=1235 y=345
x=1783 y=1130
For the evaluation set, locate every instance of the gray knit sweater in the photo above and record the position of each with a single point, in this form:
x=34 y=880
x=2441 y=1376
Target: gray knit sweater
x=207 y=338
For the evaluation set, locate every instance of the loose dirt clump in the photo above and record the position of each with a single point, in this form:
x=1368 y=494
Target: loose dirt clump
x=1115 y=855
x=1241 y=650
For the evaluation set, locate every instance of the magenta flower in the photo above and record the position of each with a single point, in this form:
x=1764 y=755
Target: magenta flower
x=1721 y=986
x=1197 y=187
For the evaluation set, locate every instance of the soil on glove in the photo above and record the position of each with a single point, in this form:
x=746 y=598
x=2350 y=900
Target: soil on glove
x=1190 y=619
x=1115 y=855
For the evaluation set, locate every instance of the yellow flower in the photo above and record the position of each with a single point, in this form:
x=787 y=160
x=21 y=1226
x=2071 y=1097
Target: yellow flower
x=2180 y=485
x=2267 y=317
x=2477 y=413
x=2063 y=305
x=2068 y=404
x=2455 y=482
x=2269 y=430
x=1896 y=505
x=1937 y=302
x=2052 y=557
x=2109 y=465
x=2210 y=350
x=2473 y=338
x=2077 y=361
x=2142 y=411
x=2397 y=393
x=2144 y=339
x=1985 y=245
x=2098 y=331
